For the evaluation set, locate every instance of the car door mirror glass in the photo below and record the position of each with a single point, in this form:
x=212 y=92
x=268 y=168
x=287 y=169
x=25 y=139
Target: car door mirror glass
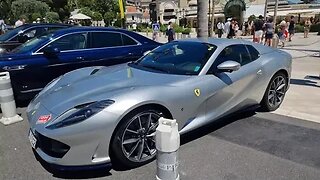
x=229 y=66
x=51 y=51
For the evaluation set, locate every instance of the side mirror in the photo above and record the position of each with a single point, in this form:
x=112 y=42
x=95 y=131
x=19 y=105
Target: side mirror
x=147 y=52
x=229 y=66
x=51 y=51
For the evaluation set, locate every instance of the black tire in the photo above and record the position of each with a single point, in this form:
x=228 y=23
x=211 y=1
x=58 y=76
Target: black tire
x=267 y=104
x=119 y=153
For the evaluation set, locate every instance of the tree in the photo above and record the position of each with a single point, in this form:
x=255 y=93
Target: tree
x=52 y=17
x=96 y=16
x=86 y=11
x=5 y=6
x=59 y=6
x=202 y=18
x=28 y=7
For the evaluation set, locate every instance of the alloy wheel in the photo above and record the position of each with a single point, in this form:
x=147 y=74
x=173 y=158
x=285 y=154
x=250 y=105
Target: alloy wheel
x=138 y=139
x=277 y=91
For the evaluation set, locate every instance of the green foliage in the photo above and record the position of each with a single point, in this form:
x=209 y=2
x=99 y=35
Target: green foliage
x=96 y=16
x=163 y=28
x=298 y=28
x=52 y=17
x=177 y=29
x=186 y=31
x=59 y=6
x=86 y=11
x=108 y=17
x=28 y=7
x=315 y=28
x=5 y=6
x=34 y=16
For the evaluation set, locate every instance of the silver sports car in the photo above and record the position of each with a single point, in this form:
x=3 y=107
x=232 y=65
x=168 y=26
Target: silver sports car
x=96 y=115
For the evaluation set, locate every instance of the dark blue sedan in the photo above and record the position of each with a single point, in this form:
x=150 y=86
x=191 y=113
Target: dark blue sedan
x=40 y=60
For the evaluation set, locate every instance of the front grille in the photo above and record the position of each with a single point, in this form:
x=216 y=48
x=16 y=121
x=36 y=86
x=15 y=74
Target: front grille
x=50 y=146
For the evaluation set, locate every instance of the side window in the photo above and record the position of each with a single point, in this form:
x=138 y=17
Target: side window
x=253 y=52
x=236 y=53
x=34 y=32
x=70 y=42
x=105 y=39
x=127 y=41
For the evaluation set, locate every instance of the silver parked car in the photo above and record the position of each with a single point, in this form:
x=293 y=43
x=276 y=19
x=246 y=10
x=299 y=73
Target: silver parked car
x=96 y=115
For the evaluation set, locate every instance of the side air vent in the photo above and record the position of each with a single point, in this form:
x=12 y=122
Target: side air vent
x=94 y=71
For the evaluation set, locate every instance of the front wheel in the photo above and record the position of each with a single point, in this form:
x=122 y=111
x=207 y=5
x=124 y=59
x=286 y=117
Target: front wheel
x=275 y=92
x=133 y=144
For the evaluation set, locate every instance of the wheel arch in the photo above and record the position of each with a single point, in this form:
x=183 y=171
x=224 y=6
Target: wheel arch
x=155 y=106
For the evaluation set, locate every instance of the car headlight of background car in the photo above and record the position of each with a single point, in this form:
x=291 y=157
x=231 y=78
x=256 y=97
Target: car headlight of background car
x=80 y=113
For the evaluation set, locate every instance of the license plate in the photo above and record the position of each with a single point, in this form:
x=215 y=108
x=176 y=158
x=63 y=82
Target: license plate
x=32 y=139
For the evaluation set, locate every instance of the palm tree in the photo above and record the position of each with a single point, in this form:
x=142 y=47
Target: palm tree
x=202 y=18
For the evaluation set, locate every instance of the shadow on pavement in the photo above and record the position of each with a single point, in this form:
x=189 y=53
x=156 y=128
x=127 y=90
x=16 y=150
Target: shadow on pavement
x=76 y=173
x=304 y=82
x=215 y=125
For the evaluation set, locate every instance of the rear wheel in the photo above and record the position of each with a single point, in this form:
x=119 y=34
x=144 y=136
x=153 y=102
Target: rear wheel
x=275 y=92
x=133 y=144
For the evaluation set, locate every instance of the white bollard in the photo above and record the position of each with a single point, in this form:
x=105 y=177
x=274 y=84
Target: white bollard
x=167 y=144
x=8 y=105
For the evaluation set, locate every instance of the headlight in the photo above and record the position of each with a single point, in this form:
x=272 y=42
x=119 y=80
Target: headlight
x=79 y=114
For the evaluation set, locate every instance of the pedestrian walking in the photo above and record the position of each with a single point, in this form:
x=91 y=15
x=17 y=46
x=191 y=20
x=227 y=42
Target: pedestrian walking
x=231 y=29
x=258 y=32
x=220 y=27
x=269 y=32
x=291 y=28
x=2 y=26
x=134 y=26
x=170 y=32
x=307 y=25
x=227 y=26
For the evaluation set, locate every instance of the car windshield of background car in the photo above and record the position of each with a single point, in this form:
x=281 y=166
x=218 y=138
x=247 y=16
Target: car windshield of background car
x=182 y=58
x=29 y=45
x=8 y=35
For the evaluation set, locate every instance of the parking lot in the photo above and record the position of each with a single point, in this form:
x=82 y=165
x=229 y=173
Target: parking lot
x=280 y=145
x=262 y=146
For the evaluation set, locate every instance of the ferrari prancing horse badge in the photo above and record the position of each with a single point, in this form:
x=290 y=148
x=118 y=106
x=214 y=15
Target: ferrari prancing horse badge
x=197 y=92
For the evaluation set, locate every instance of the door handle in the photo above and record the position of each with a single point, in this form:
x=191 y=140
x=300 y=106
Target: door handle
x=130 y=54
x=259 y=72
x=80 y=58
x=10 y=68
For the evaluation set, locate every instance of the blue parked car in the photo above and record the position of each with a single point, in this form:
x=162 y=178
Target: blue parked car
x=21 y=34
x=38 y=61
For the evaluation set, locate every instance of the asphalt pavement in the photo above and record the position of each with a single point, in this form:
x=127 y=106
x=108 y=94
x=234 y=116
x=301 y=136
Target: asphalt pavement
x=246 y=146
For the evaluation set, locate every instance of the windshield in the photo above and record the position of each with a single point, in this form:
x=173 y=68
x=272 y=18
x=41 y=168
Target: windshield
x=8 y=35
x=183 y=58
x=29 y=45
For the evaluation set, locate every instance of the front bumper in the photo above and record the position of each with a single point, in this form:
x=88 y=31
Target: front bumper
x=82 y=144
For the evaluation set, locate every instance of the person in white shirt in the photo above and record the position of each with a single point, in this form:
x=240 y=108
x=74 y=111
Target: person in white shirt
x=220 y=27
x=134 y=26
x=2 y=26
x=227 y=26
x=20 y=22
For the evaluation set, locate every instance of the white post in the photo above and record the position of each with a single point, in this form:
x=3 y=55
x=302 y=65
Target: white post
x=167 y=144
x=8 y=105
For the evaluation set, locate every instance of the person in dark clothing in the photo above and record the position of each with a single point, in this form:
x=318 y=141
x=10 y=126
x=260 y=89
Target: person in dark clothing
x=258 y=32
x=170 y=32
x=291 y=28
x=231 y=33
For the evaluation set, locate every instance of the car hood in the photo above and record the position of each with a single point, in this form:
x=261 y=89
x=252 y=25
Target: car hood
x=98 y=83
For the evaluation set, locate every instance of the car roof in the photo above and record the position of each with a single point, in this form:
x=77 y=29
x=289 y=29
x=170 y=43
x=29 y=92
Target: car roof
x=218 y=41
x=87 y=28
x=44 y=24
